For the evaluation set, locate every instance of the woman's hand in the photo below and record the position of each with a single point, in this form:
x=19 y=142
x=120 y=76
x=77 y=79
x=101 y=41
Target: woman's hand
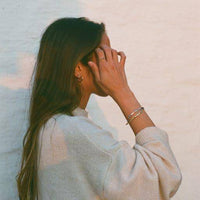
x=109 y=73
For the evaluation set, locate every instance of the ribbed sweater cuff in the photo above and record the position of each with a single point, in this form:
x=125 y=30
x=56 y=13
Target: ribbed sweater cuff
x=151 y=133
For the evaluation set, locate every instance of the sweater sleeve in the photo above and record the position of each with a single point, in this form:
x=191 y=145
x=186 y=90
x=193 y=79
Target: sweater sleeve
x=148 y=170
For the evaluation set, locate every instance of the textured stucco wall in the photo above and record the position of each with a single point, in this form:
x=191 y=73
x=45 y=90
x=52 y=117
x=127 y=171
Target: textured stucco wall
x=162 y=44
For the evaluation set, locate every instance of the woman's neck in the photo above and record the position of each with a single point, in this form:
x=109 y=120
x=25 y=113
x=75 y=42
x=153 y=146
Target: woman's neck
x=84 y=100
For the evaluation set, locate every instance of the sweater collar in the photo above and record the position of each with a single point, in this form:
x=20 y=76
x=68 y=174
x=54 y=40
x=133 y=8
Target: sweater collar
x=80 y=111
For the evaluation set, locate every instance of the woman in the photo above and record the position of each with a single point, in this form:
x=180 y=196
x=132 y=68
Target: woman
x=65 y=154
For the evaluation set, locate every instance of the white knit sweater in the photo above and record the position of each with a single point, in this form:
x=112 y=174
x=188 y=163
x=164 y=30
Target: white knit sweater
x=79 y=160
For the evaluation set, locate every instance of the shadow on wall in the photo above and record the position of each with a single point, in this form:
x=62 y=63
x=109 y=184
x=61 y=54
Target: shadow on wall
x=13 y=126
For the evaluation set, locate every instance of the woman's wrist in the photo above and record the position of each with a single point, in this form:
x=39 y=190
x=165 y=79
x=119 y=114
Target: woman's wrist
x=127 y=103
x=126 y=99
x=122 y=93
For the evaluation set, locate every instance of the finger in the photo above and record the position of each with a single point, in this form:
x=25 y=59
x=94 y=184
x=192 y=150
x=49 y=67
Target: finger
x=107 y=52
x=94 y=69
x=100 y=54
x=115 y=55
x=123 y=58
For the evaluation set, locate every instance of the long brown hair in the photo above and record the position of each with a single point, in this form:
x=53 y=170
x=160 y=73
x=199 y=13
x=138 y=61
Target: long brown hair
x=55 y=89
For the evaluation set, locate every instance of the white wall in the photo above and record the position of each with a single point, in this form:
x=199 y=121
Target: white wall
x=162 y=44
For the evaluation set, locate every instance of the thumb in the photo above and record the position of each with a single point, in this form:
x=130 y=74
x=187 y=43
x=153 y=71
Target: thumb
x=95 y=69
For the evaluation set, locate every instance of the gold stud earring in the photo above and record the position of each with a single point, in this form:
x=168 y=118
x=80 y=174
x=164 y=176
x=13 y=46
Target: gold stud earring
x=80 y=78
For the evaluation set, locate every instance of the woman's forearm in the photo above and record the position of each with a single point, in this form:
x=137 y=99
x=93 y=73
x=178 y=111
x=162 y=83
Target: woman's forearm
x=127 y=102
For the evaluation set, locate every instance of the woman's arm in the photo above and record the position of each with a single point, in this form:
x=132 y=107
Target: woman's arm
x=127 y=102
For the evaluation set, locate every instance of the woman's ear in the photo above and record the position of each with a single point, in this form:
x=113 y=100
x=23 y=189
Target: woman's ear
x=78 y=70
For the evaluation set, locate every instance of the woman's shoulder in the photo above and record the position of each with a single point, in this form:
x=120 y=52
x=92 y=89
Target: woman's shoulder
x=84 y=128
